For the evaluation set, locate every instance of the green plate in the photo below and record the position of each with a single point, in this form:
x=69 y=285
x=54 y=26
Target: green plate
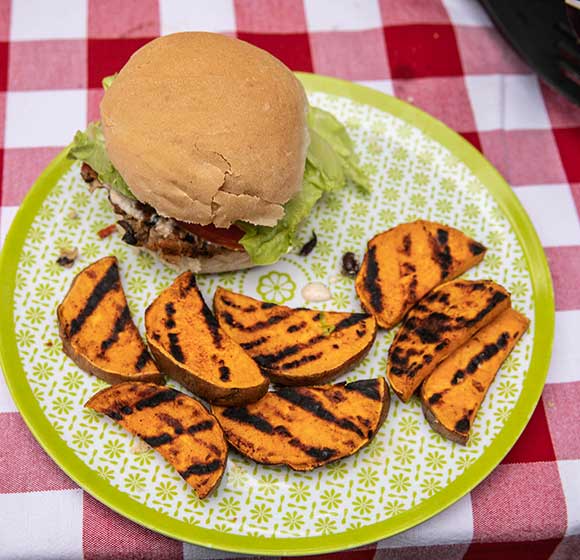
x=419 y=169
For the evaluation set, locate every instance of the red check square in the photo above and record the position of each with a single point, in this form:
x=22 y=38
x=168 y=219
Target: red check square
x=524 y=157
x=420 y=51
x=292 y=49
x=519 y=502
x=563 y=416
x=483 y=51
x=38 y=65
x=535 y=443
x=528 y=550
x=107 y=56
x=444 y=98
x=565 y=268
x=105 y=531
x=25 y=467
x=3 y=66
x=94 y=97
x=274 y=16
x=130 y=18
x=395 y=12
x=5 y=9
x=441 y=551
x=22 y=166
x=339 y=53
x=568 y=140
x=473 y=138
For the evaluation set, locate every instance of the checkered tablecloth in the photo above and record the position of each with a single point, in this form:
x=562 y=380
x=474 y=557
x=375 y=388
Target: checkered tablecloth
x=441 y=55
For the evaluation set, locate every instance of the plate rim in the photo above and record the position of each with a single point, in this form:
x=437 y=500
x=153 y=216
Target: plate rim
x=126 y=506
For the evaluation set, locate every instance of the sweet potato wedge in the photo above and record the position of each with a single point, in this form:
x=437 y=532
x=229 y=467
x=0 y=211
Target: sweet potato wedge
x=97 y=330
x=439 y=324
x=189 y=345
x=307 y=427
x=174 y=424
x=403 y=264
x=295 y=346
x=453 y=393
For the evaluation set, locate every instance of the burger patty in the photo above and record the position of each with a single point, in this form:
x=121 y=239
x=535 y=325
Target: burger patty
x=145 y=228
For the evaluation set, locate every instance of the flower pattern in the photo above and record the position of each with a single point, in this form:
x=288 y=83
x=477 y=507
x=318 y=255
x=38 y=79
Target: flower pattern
x=276 y=287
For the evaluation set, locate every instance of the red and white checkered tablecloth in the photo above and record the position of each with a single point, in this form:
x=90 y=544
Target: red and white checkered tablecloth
x=442 y=55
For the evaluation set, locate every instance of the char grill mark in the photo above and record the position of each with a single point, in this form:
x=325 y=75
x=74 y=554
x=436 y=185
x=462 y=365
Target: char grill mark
x=496 y=299
x=407 y=243
x=200 y=427
x=463 y=425
x=441 y=252
x=224 y=373
x=301 y=361
x=170 y=312
x=367 y=387
x=199 y=469
x=253 y=343
x=212 y=325
x=241 y=415
x=296 y=328
x=167 y=395
x=229 y=303
x=488 y=352
x=175 y=348
x=156 y=441
x=110 y=281
x=371 y=280
x=310 y=404
x=143 y=359
x=274 y=320
x=476 y=248
x=120 y=323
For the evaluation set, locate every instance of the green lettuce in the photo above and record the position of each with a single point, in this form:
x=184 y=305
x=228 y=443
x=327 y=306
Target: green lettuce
x=89 y=146
x=330 y=163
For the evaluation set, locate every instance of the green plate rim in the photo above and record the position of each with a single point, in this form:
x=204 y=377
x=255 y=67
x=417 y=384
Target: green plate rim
x=118 y=501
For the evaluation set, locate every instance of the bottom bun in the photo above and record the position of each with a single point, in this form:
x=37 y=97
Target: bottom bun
x=224 y=261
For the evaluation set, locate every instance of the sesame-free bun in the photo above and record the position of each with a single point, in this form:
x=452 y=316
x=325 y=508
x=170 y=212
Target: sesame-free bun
x=207 y=129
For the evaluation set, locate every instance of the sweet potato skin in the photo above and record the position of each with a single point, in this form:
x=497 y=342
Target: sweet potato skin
x=307 y=427
x=403 y=264
x=295 y=346
x=174 y=424
x=189 y=345
x=452 y=395
x=439 y=324
x=97 y=330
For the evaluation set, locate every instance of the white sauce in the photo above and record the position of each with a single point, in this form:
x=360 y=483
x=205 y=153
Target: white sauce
x=126 y=204
x=316 y=291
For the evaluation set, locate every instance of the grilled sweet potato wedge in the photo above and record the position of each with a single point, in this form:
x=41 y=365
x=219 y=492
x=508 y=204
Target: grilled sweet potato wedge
x=174 y=424
x=189 y=345
x=295 y=346
x=403 y=264
x=97 y=330
x=453 y=393
x=307 y=427
x=439 y=324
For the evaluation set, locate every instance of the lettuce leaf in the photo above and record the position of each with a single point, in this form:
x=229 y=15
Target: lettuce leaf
x=89 y=146
x=330 y=163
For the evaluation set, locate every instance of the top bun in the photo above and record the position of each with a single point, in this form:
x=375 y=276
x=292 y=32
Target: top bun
x=207 y=129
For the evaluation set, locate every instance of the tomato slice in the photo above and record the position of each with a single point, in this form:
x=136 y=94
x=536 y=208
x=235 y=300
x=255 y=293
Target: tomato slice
x=226 y=237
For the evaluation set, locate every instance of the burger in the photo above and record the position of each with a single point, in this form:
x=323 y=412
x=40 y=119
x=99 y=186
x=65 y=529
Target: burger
x=211 y=154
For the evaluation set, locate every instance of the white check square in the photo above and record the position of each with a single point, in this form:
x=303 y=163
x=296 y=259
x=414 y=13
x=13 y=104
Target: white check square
x=566 y=351
x=201 y=15
x=485 y=94
x=342 y=15
x=44 y=118
x=58 y=19
x=524 y=103
x=467 y=12
x=39 y=523
x=553 y=213
x=571 y=485
x=384 y=86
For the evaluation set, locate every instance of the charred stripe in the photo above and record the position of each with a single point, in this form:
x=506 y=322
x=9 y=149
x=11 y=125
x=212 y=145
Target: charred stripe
x=143 y=359
x=167 y=395
x=268 y=360
x=463 y=425
x=224 y=373
x=201 y=468
x=476 y=248
x=110 y=281
x=367 y=387
x=175 y=348
x=156 y=441
x=496 y=299
x=371 y=280
x=310 y=404
x=173 y=422
x=229 y=303
x=212 y=325
x=353 y=319
x=407 y=243
x=118 y=328
x=200 y=427
x=273 y=320
x=243 y=416
x=296 y=328
x=301 y=361
x=319 y=453
x=253 y=343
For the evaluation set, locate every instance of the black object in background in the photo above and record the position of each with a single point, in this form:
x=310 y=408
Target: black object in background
x=541 y=33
